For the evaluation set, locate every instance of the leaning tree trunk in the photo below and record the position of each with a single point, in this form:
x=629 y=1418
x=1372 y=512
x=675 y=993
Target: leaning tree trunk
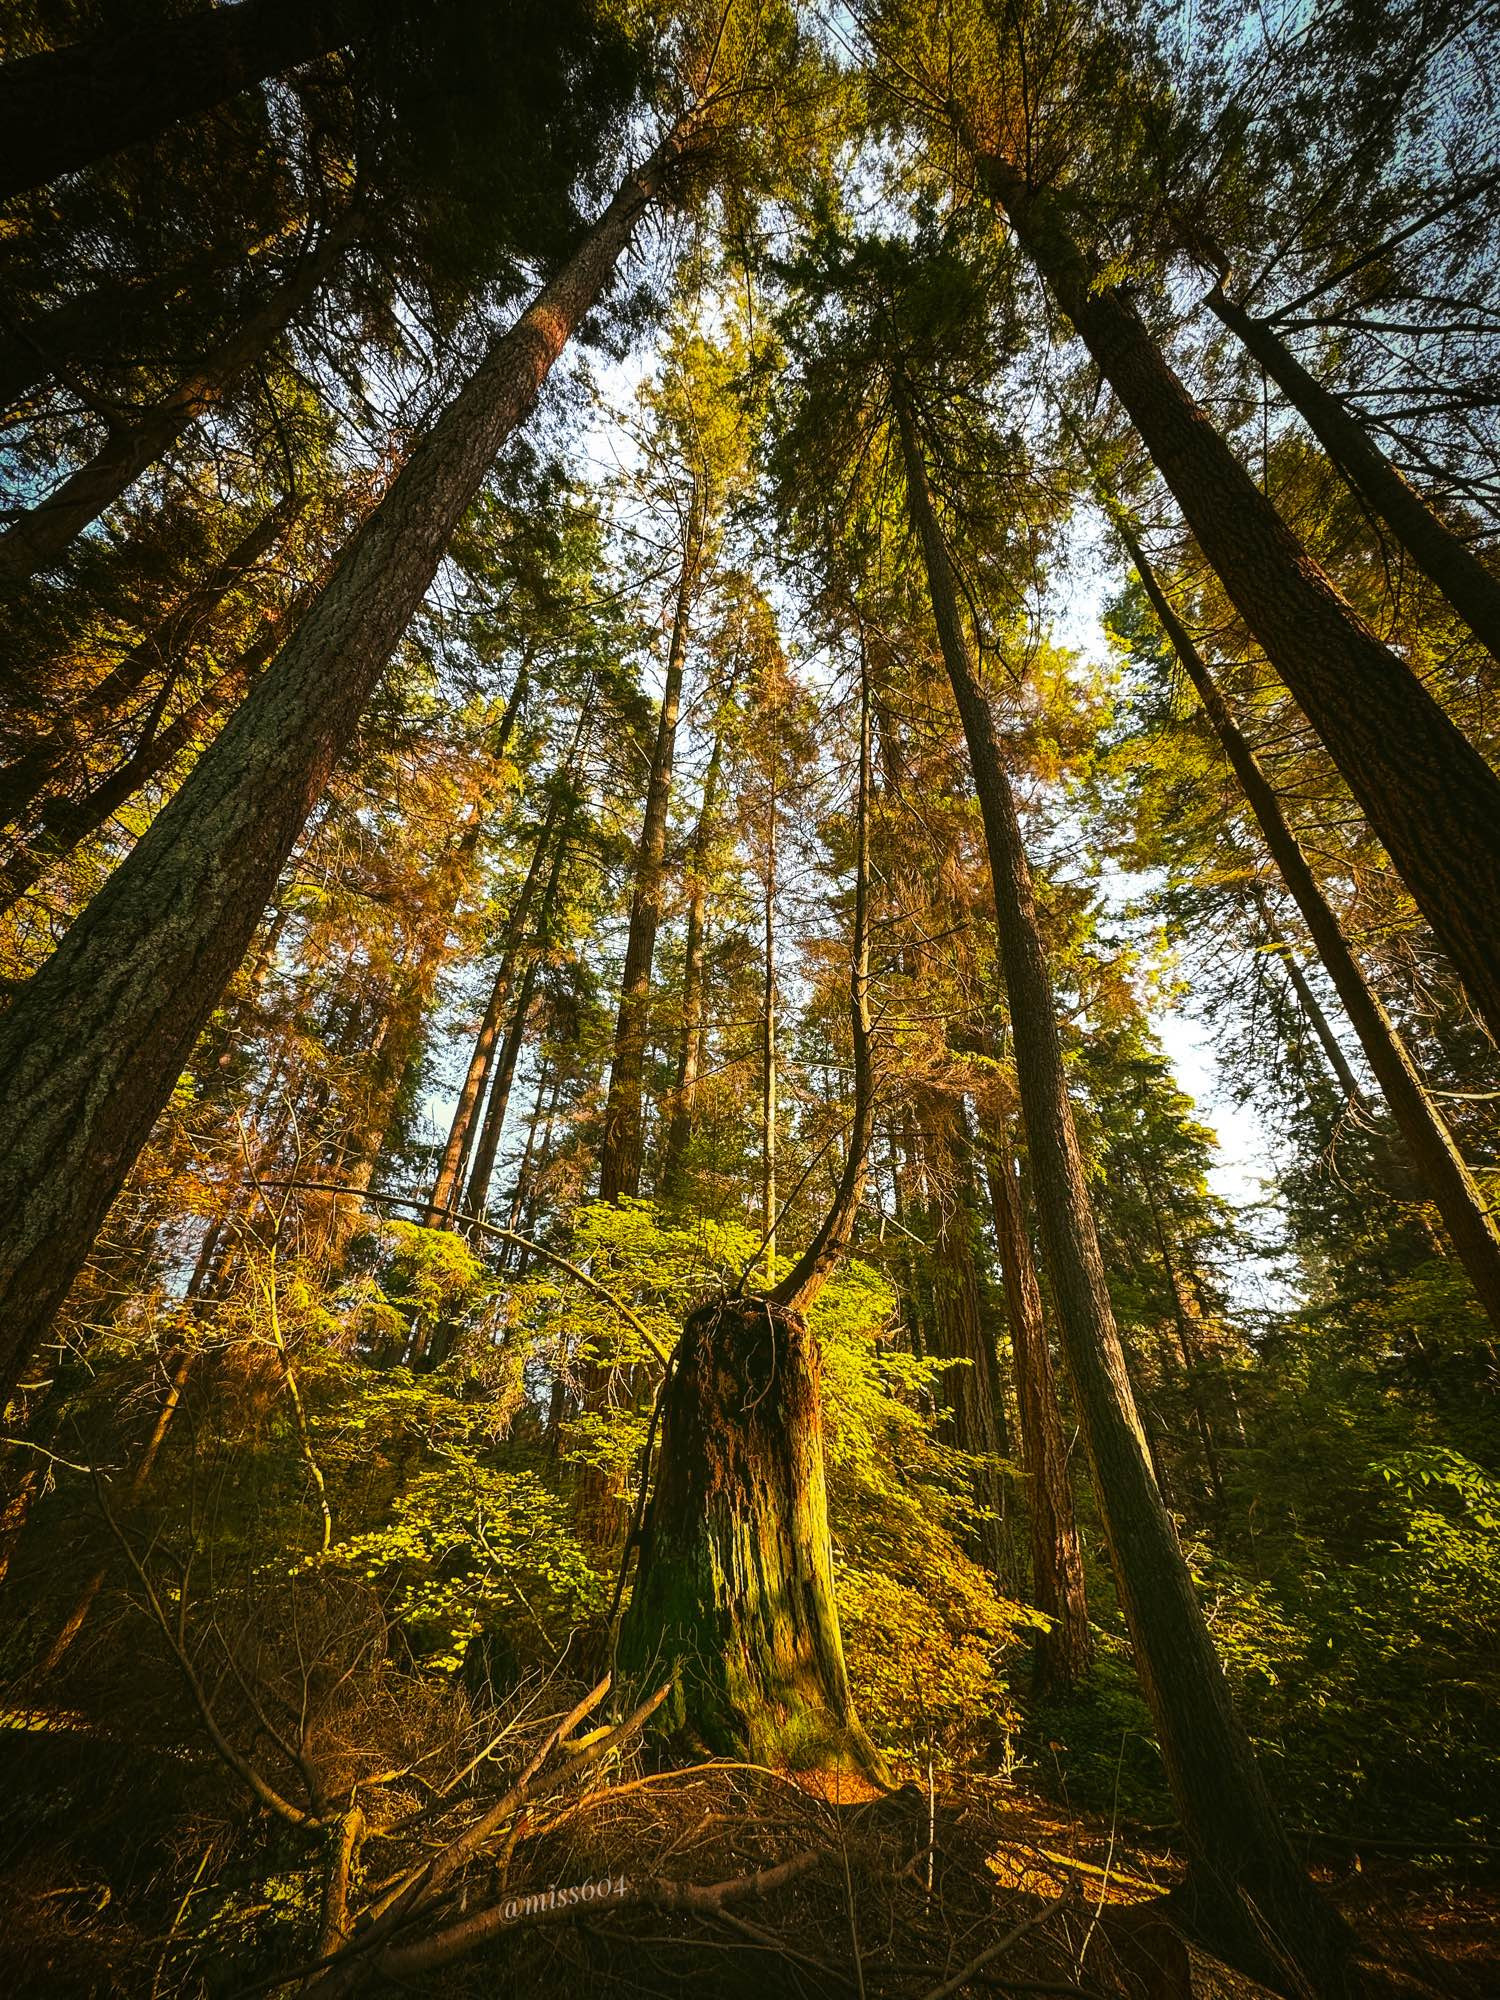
x=1443 y=557
x=1440 y=1165
x=67 y=822
x=158 y=652
x=734 y=1590
x=490 y=1128
x=1065 y=1650
x=40 y=537
x=1244 y=1888
x=1308 y=1003
x=68 y=107
x=93 y=1044
x=114 y=316
x=1428 y=793
x=620 y=1155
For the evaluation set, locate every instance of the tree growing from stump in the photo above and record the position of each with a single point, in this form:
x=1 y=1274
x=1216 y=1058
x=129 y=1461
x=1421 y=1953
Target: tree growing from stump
x=734 y=1589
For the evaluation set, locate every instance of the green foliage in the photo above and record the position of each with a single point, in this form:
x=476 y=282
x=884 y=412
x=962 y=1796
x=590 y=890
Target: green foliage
x=465 y=1545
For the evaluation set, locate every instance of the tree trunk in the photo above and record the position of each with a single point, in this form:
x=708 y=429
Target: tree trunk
x=97 y=326
x=972 y=1418
x=1443 y=557
x=620 y=1155
x=485 y=1152
x=680 y=1130
x=1063 y=1653
x=93 y=1044
x=38 y=538
x=159 y=651
x=735 y=1589
x=545 y=1080
x=1183 y=1316
x=768 y=1111
x=1307 y=1001
x=465 y=1126
x=67 y=823
x=68 y=107
x=1437 y=1160
x=1428 y=793
x=1244 y=1887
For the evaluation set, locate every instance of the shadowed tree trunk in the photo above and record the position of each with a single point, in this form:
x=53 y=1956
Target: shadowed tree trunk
x=1443 y=557
x=1308 y=1003
x=40 y=536
x=768 y=1109
x=734 y=1591
x=1428 y=793
x=1184 y=1315
x=973 y=1418
x=1064 y=1653
x=93 y=1044
x=680 y=1129
x=1244 y=1887
x=159 y=652
x=67 y=822
x=100 y=324
x=1439 y=1164
x=620 y=1156
x=68 y=107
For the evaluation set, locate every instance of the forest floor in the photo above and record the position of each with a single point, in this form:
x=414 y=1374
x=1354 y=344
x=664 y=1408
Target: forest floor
x=106 y=1847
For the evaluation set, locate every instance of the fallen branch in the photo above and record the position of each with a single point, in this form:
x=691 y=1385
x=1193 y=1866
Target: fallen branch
x=698 y=1899
x=369 y=1950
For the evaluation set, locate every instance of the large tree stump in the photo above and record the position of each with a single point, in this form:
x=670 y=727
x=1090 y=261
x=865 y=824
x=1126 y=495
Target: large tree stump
x=734 y=1589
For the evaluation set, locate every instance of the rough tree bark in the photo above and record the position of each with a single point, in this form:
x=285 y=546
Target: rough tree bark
x=734 y=1592
x=1438 y=1162
x=1427 y=792
x=1244 y=1889
x=68 y=107
x=92 y=1045
x=1063 y=1654
x=40 y=537
x=620 y=1155
x=1443 y=557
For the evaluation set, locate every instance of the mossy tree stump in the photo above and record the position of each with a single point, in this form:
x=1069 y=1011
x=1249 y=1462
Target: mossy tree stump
x=734 y=1589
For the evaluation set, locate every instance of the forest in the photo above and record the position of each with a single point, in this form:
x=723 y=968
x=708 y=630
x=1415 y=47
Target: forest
x=749 y=995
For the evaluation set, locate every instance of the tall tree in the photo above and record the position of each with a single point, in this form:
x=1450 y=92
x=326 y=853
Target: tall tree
x=1246 y=1885
x=1428 y=792
x=621 y=1154
x=92 y=1048
x=1459 y=1201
